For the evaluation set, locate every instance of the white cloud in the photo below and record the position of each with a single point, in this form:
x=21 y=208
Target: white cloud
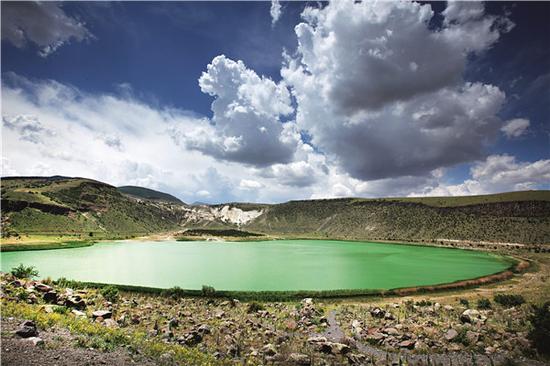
x=381 y=93
x=515 y=127
x=43 y=23
x=275 y=11
x=246 y=125
x=28 y=127
x=250 y=184
x=498 y=173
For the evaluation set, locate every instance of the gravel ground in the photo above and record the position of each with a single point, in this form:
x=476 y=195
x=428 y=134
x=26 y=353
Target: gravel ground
x=59 y=349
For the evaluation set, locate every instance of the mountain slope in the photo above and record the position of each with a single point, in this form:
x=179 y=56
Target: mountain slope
x=61 y=205
x=148 y=194
x=521 y=217
x=78 y=205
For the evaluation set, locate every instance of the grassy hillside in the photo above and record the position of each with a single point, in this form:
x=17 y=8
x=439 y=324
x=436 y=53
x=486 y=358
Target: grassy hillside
x=522 y=217
x=87 y=208
x=77 y=206
x=149 y=194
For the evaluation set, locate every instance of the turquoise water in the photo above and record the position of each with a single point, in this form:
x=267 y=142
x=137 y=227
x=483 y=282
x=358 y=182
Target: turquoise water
x=264 y=265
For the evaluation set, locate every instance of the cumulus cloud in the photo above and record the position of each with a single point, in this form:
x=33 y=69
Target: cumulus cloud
x=246 y=125
x=275 y=11
x=498 y=173
x=43 y=23
x=515 y=127
x=381 y=92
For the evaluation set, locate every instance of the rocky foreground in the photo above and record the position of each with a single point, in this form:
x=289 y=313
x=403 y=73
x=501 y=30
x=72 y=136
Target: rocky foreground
x=43 y=319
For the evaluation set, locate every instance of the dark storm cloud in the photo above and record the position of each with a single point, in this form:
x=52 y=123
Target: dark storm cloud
x=45 y=24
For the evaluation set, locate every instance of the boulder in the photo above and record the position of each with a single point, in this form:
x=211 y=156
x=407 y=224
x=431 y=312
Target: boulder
x=111 y=323
x=377 y=313
x=35 y=341
x=451 y=335
x=472 y=316
x=391 y=331
x=203 y=329
x=409 y=344
x=472 y=337
x=75 y=302
x=50 y=296
x=43 y=287
x=78 y=313
x=356 y=359
x=105 y=314
x=338 y=348
x=317 y=339
x=27 y=329
x=356 y=327
x=269 y=350
x=299 y=359
x=191 y=338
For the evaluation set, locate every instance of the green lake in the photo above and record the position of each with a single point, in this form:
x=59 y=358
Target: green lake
x=263 y=265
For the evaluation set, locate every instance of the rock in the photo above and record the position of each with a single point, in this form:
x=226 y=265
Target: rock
x=299 y=359
x=203 y=329
x=35 y=341
x=105 y=314
x=27 y=329
x=437 y=306
x=472 y=337
x=451 y=334
x=472 y=316
x=338 y=348
x=50 y=296
x=219 y=314
x=48 y=309
x=111 y=323
x=75 y=302
x=307 y=301
x=191 y=338
x=407 y=344
x=391 y=331
x=377 y=313
x=43 y=287
x=356 y=327
x=317 y=339
x=357 y=359
x=78 y=313
x=135 y=319
x=448 y=308
x=269 y=349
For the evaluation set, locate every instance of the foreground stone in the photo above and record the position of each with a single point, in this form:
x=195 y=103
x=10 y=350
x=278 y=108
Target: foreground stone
x=27 y=329
x=105 y=314
x=35 y=341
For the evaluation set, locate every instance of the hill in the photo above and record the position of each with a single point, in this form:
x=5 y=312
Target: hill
x=517 y=217
x=148 y=194
x=62 y=205
x=84 y=207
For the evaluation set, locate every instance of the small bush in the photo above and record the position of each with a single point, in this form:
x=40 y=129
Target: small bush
x=540 y=333
x=254 y=307
x=424 y=303
x=509 y=300
x=24 y=272
x=464 y=302
x=60 y=310
x=110 y=293
x=208 y=291
x=483 y=304
x=174 y=292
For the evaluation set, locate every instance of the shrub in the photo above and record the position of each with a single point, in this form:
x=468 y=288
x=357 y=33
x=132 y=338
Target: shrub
x=483 y=304
x=24 y=272
x=208 y=291
x=110 y=293
x=254 y=307
x=175 y=292
x=60 y=310
x=464 y=302
x=424 y=303
x=540 y=333
x=509 y=300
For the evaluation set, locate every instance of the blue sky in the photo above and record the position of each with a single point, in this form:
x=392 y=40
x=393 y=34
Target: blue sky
x=115 y=95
